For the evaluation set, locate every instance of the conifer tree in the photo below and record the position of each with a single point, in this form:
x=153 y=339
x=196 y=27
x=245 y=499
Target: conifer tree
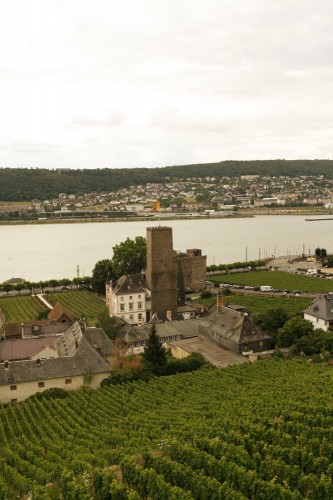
x=154 y=353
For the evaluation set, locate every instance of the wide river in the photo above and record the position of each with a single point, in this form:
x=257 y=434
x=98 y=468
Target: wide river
x=41 y=252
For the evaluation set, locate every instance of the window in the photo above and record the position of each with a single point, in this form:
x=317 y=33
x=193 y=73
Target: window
x=13 y=387
x=68 y=381
x=131 y=316
x=139 y=305
x=131 y=297
x=41 y=384
x=130 y=306
x=121 y=298
x=139 y=316
x=122 y=307
x=139 y=296
x=13 y=401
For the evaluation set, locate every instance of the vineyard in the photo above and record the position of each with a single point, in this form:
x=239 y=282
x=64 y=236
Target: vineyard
x=254 y=431
x=81 y=304
x=17 y=309
x=277 y=279
x=261 y=303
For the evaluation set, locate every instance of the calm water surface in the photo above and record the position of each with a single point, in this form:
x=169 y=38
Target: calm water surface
x=40 y=252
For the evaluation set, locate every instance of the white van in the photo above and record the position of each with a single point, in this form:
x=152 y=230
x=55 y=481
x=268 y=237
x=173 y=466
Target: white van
x=311 y=272
x=266 y=288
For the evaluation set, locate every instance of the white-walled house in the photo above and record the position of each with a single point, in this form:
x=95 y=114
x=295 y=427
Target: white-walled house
x=129 y=298
x=320 y=313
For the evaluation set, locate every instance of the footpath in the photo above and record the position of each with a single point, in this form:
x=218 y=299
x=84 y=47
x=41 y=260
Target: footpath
x=44 y=301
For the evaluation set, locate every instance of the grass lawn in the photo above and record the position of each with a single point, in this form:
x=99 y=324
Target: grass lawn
x=79 y=303
x=257 y=304
x=17 y=309
x=276 y=279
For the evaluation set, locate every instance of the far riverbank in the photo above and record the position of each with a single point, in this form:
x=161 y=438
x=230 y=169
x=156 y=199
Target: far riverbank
x=162 y=216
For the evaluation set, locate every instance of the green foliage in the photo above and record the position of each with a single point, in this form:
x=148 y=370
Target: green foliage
x=179 y=437
x=110 y=325
x=272 y=319
x=81 y=304
x=43 y=314
x=129 y=257
x=154 y=354
x=206 y=294
x=253 y=264
x=276 y=279
x=294 y=329
x=321 y=252
x=54 y=393
x=127 y=375
x=192 y=362
x=101 y=272
x=26 y=183
x=260 y=304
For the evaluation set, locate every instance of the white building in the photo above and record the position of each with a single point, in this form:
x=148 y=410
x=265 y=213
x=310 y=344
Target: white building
x=320 y=313
x=129 y=299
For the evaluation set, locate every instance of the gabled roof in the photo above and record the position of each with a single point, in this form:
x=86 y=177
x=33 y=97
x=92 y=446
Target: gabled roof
x=188 y=328
x=85 y=359
x=97 y=338
x=234 y=326
x=321 y=308
x=132 y=283
x=58 y=311
x=25 y=348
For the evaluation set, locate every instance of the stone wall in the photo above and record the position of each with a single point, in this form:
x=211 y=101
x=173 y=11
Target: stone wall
x=193 y=269
x=161 y=272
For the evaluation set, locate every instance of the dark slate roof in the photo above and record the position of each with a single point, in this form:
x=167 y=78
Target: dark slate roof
x=85 y=360
x=132 y=283
x=98 y=339
x=321 y=308
x=68 y=343
x=188 y=328
x=233 y=326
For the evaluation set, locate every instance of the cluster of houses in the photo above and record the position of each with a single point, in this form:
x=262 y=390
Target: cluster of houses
x=197 y=194
x=63 y=353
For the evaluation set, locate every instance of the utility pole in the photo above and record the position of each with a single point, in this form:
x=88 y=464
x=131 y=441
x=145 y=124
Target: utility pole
x=246 y=253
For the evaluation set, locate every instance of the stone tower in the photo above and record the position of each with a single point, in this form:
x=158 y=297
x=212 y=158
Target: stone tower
x=161 y=273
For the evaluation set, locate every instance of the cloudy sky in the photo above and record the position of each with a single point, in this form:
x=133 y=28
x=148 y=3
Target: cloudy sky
x=145 y=83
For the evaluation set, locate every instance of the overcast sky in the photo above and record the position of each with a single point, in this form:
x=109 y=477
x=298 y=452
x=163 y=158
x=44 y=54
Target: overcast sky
x=146 y=83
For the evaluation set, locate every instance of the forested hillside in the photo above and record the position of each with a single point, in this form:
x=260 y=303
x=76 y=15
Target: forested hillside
x=258 y=430
x=21 y=184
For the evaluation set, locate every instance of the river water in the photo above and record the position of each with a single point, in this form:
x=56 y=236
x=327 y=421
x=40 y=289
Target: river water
x=41 y=252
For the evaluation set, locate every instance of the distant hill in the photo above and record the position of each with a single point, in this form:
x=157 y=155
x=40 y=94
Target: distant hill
x=23 y=184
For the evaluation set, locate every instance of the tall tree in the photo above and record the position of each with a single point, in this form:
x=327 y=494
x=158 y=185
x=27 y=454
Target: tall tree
x=101 y=272
x=292 y=330
x=154 y=354
x=129 y=257
x=110 y=325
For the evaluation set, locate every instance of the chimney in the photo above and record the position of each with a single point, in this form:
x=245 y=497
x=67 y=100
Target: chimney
x=169 y=315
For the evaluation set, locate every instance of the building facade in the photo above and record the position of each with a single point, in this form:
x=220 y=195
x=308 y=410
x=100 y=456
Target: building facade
x=129 y=299
x=152 y=295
